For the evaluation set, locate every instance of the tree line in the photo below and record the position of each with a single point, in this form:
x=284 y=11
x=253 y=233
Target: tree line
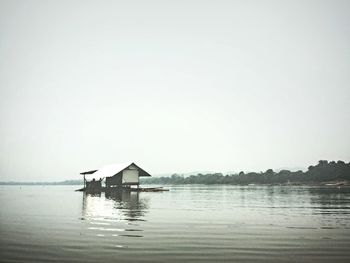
x=324 y=171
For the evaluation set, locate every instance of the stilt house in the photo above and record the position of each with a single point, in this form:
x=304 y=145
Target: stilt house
x=115 y=175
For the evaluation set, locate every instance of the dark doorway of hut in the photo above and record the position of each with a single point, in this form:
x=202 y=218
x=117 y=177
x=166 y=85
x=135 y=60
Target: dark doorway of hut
x=115 y=178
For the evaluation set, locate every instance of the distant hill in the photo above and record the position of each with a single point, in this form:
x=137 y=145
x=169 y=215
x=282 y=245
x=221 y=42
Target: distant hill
x=67 y=182
x=324 y=171
x=183 y=174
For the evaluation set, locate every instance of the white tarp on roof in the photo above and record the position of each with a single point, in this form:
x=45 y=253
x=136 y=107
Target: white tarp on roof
x=107 y=171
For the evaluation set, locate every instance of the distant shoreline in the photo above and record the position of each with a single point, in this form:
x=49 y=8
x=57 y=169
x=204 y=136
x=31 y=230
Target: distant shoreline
x=326 y=184
x=323 y=174
x=70 y=182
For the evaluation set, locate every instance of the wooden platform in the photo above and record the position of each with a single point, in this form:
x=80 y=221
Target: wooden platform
x=140 y=189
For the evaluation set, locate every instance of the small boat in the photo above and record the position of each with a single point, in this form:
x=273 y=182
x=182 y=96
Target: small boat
x=150 y=189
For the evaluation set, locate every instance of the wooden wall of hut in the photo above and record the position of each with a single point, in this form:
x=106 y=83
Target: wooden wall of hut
x=115 y=180
x=94 y=186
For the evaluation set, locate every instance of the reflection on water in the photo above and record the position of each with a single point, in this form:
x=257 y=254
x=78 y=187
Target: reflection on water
x=130 y=203
x=197 y=223
x=331 y=206
x=335 y=200
x=109 y=213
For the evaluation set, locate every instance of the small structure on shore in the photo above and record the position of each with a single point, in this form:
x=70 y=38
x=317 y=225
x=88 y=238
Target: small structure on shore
x=117 y=176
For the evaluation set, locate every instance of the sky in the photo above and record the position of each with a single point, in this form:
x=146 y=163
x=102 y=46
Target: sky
x=175 y=86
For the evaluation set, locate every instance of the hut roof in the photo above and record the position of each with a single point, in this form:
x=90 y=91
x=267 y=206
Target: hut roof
x=111 y=170
x=89 y=172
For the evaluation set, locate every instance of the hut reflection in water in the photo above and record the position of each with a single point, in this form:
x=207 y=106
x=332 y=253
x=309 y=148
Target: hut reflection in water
x=118 y=205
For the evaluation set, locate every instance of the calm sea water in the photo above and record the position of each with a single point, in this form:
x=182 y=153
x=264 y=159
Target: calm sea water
x=186 y=224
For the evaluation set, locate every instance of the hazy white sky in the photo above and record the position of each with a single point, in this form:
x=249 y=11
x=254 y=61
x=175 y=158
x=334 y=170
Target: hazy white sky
x=176 y=86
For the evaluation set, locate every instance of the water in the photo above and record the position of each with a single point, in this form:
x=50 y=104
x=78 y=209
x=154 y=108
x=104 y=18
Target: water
x=186 y=224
